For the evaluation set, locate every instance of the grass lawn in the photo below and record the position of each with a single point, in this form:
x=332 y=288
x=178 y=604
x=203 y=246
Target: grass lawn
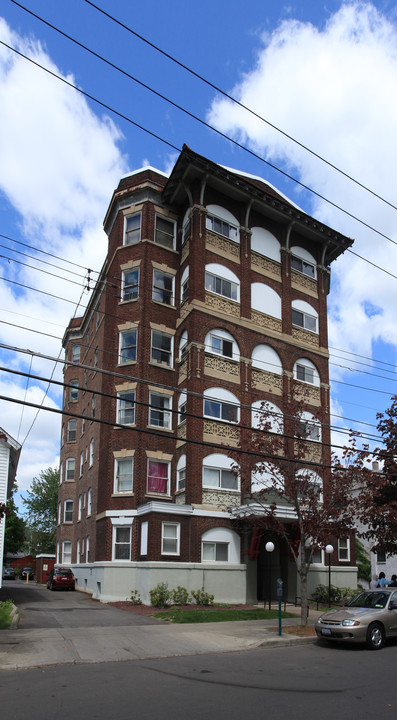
x=5 y=614
x=206 y=615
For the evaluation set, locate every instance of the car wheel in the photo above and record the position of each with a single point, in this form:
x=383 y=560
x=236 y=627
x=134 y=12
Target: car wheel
x=375 y=636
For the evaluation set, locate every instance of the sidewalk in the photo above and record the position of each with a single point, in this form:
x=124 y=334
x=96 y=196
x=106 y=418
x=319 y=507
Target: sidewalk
x=21 y=648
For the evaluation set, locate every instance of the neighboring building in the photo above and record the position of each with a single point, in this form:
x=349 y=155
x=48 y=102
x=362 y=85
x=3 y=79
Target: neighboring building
x=211 y=300
x=10 y=451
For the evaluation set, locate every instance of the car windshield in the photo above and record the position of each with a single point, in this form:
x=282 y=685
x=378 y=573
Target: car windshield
x=370 y=600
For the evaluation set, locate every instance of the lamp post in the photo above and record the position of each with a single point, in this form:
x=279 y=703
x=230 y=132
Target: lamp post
x=329 y=549
x=269 y=547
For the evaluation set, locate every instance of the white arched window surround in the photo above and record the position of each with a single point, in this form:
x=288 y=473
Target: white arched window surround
x=181 y=473
x=267 y=416
x=182 y=403
x=305 y=371
x=183 y=345
x=265 y=476
x=221 y=342
x=304 y=315
x=223 y=222
x=222 y=281
x=220 y=473
x=220 y=545
x=185 y=284
x=303 y=262
x=221 y=404
x=265 y=243
x=265 y=358
x=312 y=478
x=265 y=300
x=308 y=426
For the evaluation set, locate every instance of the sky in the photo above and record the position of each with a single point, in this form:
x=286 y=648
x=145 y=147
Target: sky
x=321 y=75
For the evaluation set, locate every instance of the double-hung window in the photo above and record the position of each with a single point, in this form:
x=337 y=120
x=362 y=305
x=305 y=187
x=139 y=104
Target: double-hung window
x=122 y=543
x=66 y=552
x=91 y=455
x=126 y=408
x=304 y=320
x=160 y=410
x=163 y=287
x=70 y=468
x=74 y=391
x=220 y=410
x=68 y=511
x=123 y=475
x=75 y=357
x=222 y=227
x=127 y=349
x=132 y=229
x=158 y=477
x=130 y=284
x=220 y=478
x=72 y=430
x=165 y=232
x=221 y=286
x=170 y=538
x=161 y=348
x=344 y=549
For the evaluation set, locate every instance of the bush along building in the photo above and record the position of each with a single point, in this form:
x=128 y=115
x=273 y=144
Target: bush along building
x=211 y=301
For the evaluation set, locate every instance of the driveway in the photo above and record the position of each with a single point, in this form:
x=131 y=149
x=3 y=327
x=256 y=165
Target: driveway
x=41 y=608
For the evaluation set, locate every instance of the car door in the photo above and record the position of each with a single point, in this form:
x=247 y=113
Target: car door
x=392 y=614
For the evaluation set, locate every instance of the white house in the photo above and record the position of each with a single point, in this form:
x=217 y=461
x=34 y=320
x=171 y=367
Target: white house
x=9 y=456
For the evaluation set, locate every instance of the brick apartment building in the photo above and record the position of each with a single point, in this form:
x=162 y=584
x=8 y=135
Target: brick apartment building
x=212 y=299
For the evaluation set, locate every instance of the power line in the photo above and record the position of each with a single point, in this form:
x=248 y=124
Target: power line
x=230 y=97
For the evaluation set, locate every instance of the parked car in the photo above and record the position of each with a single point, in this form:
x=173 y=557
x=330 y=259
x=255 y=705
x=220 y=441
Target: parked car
x=27 y=572
x=370 y=617
x=61 y=578
x=8 y=573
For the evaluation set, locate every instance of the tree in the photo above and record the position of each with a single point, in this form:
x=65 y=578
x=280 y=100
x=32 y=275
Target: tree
x=15 y=527
x=291 y=490
x=375 y=477
x=41 y=502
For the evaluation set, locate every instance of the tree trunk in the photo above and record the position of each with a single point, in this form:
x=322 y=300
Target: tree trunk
x=303 y=578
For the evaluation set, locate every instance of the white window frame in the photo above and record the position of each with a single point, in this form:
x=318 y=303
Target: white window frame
x=80 y=507
x=71 y=430
x=89 y=502
x=132 y=236
x=126 y=351
x=160 y=293
x=81 y=462
x=66 y=552
x=155 y=349
x=118 y=464
x=182 y=406
x=214 y=545
x=74 y=391
x=68 y=509
x=344 y=549
x=59 y=513
x=126 y=407
x=118 y=544
x=70 y=469
x=169 y=539
x=160 y=416
x=162 y=236
x=304 y=320
x=218 y=403
x=181 y=473
x=219 y=286
x=303 y=262
x=185 y=285
x=91 y=453
x=307 y=371
x=129 y=288
x=158 y=492
x=222 y=343
x=75 y=353
x=222 y=227
x=87 y=549
x=221 y=468
x=308 y=427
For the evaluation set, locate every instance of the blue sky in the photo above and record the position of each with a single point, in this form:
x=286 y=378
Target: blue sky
x=322 y=72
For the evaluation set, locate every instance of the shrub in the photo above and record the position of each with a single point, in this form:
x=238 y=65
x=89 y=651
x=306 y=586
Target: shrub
x=160 y=596
x=337 y=594
x=135 y=597
x=202 y=598
x=180 y=596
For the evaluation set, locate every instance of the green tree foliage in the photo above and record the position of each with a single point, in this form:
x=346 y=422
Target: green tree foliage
x=41 y=503
x=14 y=534
x=363 y=562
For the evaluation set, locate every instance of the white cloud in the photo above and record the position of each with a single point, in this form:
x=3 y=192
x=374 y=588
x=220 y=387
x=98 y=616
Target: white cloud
x=332 y=90
x=59 y=165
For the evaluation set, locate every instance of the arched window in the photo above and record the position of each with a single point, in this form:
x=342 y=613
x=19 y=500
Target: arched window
x=308 y=427
x=221 y=404
x=303 y=262
x=183 y=345
x=219 y=473
x=265 y=243
x=267 y=416
x=310 y=482
x=265 y=358
x=220 y=545
x=265 y=300
x=304 y=315
x=222 y=281
x=220 y=342
x=305 y=371
x=222 y=221
x=185 y=284
x=266 y=475
x=182 y=400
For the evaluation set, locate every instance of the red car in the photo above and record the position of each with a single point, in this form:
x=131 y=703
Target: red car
x=60 y=578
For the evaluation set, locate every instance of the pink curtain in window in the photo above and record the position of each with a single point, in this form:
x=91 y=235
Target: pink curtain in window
x=157 y=477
